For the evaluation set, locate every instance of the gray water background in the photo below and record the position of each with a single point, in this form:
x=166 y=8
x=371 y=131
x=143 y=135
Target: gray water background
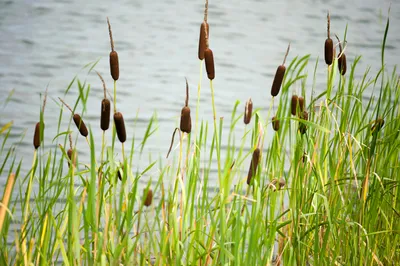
x=46 y=43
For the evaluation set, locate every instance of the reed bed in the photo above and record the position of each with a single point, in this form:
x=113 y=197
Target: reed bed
x=323 y=191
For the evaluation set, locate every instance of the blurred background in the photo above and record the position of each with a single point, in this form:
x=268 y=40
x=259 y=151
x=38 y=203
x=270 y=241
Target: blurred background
x=47 y=43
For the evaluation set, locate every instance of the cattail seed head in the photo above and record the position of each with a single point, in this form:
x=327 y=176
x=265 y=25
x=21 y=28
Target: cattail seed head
x=209 y=57
x=328 y=51
x=186 y=121
x=275 y=123
x=378 y=125
x=148 y=197
x=253 y=165
x=301 y=104
x=80 y=125
x=70 y=153
x=120 y=126
x=342 y=64
x=248 y=109
x=114 y=65
x=276 y=84
x=294 y=104
x=105 y=114
x=36 y=136
x=203 y=39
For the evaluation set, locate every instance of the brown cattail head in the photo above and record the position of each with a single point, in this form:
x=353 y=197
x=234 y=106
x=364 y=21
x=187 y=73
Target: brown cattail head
x=342 y=63
x=276 y=84
x=148 y=197
x=105 y=114
x=204 y=27
x=301 y=104
x=71 y=156
x=209 y=57
x=328 y=51
x=36 y=136
x=253 y=165
x=275 y=123
x=302 y=126
x=114 y=65
x=120 y=126
x=378 y=125
x=186 y=121
x=248 y=109
x=80 y=125
x=294 y=104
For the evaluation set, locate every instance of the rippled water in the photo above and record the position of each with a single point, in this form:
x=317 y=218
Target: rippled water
x=48 y=42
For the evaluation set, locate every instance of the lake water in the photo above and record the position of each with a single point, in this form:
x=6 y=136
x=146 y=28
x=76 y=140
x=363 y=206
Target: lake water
x=46 y=43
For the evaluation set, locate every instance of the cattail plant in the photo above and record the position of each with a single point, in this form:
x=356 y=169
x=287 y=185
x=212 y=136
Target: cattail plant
x=120 y=126
x=71 y=153
x=186 y=121
x=114 y=65
x=301 y=104
x=209 y=57
x=148 y=197
x=302 y=126
x=328 y=45
x=342 y=63
x=275 y=123
x=255 y=159
x=78 y=121
x=105 y=108
x=280 y=73
x=36 y=135
x=293 y=105
x=248 y=109
x=204 y=29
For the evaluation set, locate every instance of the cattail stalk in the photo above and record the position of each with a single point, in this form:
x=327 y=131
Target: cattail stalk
x=37 y=135
x=114 y=65
x=186 y=121
x=78 y=121
x=328 y=44
x=105 y=108
x=280 y=73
